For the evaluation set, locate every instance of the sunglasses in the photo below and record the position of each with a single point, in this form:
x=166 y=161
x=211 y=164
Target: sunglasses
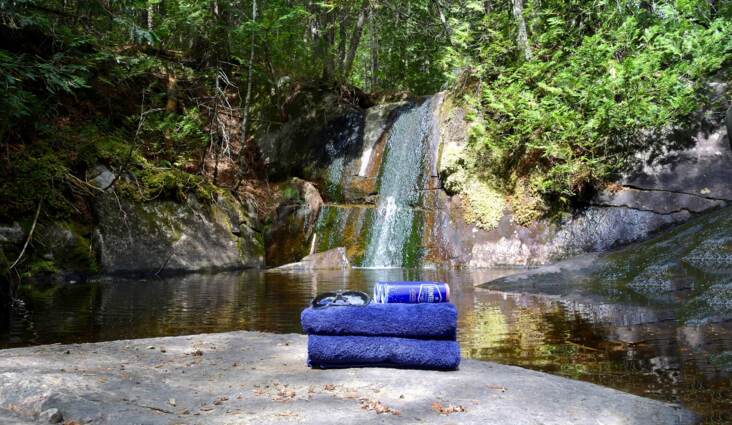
x=341 y=299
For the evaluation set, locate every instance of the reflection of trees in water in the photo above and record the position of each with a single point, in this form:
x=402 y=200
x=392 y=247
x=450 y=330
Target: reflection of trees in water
x=606 y=344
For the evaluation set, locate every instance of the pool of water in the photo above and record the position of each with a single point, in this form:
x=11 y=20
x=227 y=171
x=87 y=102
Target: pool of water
x=633 y=348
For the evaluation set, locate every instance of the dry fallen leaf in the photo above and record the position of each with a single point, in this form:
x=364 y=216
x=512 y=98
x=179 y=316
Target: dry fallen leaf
x=377 y=407
x=446 y=410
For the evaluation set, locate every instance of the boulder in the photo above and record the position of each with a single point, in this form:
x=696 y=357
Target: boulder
x=333 y=259
x=686 y=272
x=165 y=236
x=261 y=378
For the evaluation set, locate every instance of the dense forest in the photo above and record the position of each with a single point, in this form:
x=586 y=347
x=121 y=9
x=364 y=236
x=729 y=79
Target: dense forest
x=561 y=94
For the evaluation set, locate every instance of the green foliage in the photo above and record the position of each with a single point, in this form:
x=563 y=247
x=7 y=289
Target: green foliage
x=140 y=85
x=604 y=77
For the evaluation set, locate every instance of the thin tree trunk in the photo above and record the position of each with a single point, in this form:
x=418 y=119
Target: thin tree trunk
x=150 y=16
x=343 y=25
x=355 y=40
x=247 y=100
x=522 y=38
x=374 y=52
x=443 y=21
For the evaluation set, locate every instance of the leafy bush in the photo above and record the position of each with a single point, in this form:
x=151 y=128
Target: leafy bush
x=605 y=76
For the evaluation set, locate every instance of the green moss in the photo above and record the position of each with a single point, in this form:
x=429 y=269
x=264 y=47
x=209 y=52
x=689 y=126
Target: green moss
x=482 y=204
x=526 y=205
x=327 y=229
x=40 y=266
x=290 y=193
x=80 y=258
x=412 y=252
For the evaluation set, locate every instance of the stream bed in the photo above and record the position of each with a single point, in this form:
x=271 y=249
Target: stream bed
x=628 y=346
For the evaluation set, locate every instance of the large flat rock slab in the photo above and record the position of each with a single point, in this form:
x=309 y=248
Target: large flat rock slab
x=250 y=377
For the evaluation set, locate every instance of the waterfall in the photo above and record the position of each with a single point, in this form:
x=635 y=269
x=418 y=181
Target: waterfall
x=407 y=163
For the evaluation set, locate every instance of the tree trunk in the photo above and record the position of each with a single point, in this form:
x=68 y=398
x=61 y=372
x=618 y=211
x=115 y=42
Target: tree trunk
x=247 y=100
x=522 y=38
x=150 y=17
x=248 y=97
x=443 y=21
x=374 y=52
x=355 y=40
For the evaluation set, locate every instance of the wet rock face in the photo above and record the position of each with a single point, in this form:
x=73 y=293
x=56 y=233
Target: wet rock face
x=308 y=143
x=165 y=236
x=290 y=237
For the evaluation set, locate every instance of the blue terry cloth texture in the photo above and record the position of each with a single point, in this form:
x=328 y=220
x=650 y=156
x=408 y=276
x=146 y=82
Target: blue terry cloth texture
x=423 y=321
x=328 y=352
x=419 y=336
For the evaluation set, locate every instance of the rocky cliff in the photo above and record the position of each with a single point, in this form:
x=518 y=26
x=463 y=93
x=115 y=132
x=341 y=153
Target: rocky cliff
x=389 y=197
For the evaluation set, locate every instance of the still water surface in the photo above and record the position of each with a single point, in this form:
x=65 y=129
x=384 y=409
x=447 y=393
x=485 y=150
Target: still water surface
x=628 y=347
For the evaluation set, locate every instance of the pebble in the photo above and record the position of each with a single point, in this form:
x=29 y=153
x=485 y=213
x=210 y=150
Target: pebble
x=51 y=416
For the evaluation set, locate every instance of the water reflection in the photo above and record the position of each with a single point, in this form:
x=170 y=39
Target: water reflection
x=635 y=348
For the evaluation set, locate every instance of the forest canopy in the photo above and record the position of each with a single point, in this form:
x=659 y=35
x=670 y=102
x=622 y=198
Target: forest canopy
x=561 y=93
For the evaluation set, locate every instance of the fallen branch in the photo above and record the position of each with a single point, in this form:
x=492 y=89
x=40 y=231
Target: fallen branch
x=27 y=240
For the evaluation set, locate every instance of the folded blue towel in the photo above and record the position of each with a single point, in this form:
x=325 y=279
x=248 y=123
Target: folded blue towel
x=424 y=321
x=327 y=352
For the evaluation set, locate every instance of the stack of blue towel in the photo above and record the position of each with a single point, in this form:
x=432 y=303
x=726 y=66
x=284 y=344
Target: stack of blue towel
x=420 y=336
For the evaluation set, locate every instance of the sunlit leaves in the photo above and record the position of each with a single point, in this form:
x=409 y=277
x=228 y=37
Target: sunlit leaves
x=603 y=76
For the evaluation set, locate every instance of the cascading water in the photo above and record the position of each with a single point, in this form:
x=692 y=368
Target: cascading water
x=407 y=162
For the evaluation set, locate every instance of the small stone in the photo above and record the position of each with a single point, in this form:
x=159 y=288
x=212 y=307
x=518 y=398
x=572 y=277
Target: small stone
x=163 y=350
x=171 y=402
x=151 y=347
x=51 y=416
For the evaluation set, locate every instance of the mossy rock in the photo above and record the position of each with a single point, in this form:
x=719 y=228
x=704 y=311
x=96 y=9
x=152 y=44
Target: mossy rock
x=166 y=236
